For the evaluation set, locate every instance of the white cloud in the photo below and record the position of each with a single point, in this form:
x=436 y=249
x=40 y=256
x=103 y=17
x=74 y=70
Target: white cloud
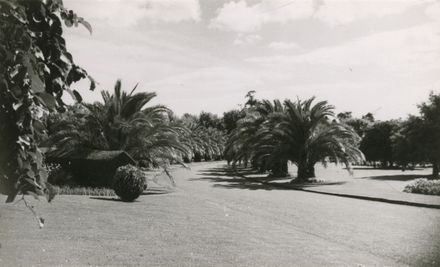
x=433 y=11
x=247 y=39
x=123 y=13
x=389 y=70
x=283 y=45
x=237 y=16
x=194 y=68
x=347 y=11
x=172 y=10
x=243 y=17
x=404 y=51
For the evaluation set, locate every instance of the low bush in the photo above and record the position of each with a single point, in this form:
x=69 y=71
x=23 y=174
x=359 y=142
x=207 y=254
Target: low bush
x=58 y=176
x=424 y=186
x=129 y=182
x=86 y=191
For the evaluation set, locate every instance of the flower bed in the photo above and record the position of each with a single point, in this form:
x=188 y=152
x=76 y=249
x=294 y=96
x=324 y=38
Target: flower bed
x=424 y=186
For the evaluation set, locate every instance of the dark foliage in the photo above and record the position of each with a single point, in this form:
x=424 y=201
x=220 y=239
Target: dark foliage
x=35 y=70
x=92 y=168
x=377 y=142
x=129 y=182
x=302 y=132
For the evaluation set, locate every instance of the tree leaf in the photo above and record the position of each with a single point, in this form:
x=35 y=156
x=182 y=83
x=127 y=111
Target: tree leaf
x=86 y=24
x=12 y=196
x=92 y=83
x=51 y=192
x=47 y=99
x=77 y=96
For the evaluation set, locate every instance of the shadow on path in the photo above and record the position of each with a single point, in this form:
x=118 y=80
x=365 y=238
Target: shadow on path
x=400 y=177
x=386 y=169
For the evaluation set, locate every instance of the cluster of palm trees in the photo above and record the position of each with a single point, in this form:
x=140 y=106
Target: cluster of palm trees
x=125 y=121
x=203 y=143
x=300 y=132
x=268 y=136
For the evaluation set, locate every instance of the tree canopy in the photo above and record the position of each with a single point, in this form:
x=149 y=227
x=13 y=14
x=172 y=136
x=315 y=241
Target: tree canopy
x=300 y=132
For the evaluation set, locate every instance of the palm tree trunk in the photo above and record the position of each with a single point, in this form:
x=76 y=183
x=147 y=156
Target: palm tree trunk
x=435 y=170
x=197 y=157
x=305 y=171
x=279 y=169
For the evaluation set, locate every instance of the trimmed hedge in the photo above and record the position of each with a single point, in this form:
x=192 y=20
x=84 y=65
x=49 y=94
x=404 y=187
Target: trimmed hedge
x=129 y=182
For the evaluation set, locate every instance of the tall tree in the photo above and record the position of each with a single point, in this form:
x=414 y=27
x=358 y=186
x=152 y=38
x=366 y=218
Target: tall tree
x=430 y=113
x=377 y=142
x=343 y=116
x=209 y=120
x=408 y=142
x=230 y=119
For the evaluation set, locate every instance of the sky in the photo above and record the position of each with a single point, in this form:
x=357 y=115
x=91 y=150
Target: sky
x=360 y=55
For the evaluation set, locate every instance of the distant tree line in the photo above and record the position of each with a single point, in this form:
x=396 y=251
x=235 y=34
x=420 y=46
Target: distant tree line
x=401 y=143
x=263 y=134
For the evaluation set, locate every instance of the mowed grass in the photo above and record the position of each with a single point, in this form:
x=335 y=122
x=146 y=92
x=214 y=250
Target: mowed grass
x=208 y=221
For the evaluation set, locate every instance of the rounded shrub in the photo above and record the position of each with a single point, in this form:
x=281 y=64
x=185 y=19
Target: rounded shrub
x=128 y=183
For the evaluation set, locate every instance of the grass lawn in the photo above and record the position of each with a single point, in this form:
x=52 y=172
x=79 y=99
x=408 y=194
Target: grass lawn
x=218 y=220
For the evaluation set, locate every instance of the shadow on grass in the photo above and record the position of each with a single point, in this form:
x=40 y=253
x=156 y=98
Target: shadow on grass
x=240 y=178
x=149 y=192
x=238 y=172
x=228 y=171
x=249 y=186
x=107 y=198
x=402 y=177
x=156 y=192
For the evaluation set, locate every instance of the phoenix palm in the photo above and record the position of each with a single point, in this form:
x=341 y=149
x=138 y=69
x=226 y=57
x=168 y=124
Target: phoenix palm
x=122 y=122
x=304 y=135
x=272 y=134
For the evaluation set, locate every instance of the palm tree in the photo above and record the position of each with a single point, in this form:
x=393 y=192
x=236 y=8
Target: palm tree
x=125 y=114
x=240 y=140
x=272 y=134
x=122 y=122
x=203 y=142
x=304 y=135
x=241 y=145
x=77 y=129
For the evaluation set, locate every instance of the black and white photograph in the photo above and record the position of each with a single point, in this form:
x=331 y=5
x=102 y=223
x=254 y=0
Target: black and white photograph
x=219 y=133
